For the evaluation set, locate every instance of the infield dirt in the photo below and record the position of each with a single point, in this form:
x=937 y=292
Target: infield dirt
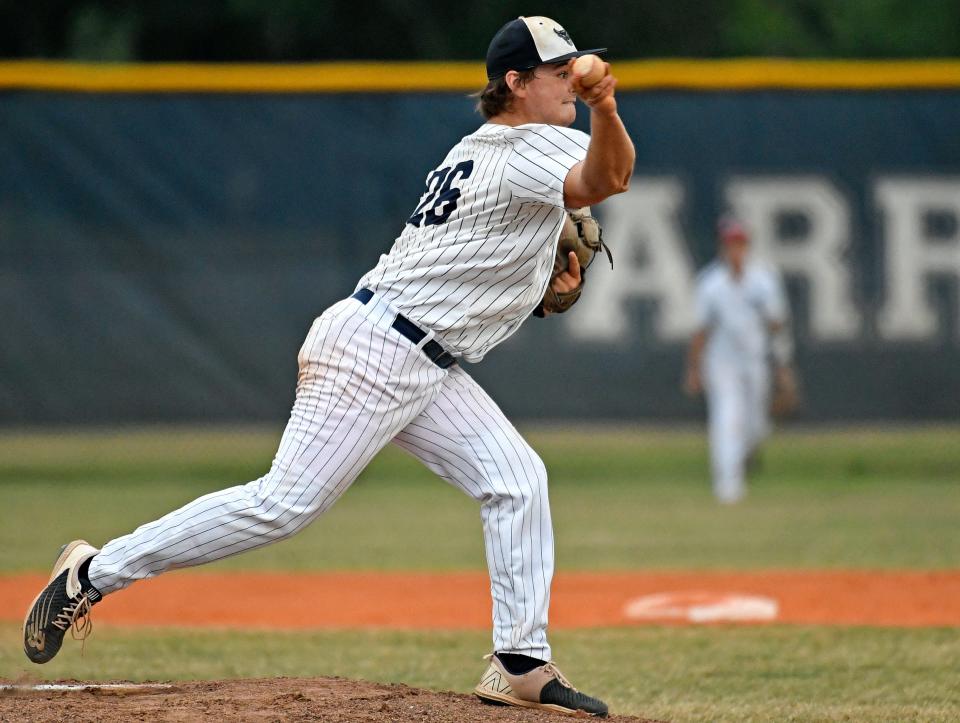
x=461 y=601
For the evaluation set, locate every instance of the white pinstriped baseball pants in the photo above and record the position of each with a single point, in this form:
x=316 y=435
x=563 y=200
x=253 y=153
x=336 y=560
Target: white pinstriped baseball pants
x=362 y=385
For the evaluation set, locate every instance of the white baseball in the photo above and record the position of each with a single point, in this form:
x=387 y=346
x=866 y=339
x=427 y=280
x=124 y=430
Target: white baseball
x=590 y=68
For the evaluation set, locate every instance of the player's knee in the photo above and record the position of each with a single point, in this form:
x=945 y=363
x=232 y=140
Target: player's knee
x=533 y=488
x=276 y=505
x=520 y=490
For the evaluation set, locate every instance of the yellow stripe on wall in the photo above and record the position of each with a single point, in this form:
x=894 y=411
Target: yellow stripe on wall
x=376 y=77
x=754 y=74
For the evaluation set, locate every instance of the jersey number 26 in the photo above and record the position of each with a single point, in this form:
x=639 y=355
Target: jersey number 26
x=441 y=197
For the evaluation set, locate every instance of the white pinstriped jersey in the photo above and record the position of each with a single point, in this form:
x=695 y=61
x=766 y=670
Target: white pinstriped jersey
x=475 y=257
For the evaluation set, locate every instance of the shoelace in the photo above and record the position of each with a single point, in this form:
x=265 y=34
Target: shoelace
x=76 y=617
x=554 y=670
x=549 y=668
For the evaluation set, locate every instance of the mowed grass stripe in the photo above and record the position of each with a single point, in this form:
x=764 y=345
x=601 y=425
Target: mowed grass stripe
x=621 y=499
x=830 y=454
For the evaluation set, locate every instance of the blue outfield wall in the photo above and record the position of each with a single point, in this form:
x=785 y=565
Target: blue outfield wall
x=162 y=256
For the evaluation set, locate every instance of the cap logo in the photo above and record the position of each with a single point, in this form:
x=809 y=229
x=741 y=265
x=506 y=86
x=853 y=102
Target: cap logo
x=565 y=35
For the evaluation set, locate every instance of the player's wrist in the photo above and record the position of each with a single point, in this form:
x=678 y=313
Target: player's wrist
x=606 y=107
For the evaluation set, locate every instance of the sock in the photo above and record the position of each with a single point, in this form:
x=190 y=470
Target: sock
x=517 y=664
x=82 y=574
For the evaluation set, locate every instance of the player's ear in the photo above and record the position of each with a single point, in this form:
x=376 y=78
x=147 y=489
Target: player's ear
x=515 y=83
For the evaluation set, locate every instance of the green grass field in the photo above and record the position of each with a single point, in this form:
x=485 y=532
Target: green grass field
x=622 y=499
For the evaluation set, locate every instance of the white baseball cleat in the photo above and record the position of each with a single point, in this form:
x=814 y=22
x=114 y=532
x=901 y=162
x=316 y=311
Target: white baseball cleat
x=543 y=687
x=63 y=604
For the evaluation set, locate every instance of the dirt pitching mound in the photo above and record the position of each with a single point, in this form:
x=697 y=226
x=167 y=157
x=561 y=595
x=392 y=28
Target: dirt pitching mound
x=274 y=699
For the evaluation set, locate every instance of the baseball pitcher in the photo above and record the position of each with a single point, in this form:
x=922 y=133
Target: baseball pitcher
x=475 y=258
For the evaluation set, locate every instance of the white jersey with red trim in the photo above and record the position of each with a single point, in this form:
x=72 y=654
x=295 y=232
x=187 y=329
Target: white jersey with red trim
x=737 y=312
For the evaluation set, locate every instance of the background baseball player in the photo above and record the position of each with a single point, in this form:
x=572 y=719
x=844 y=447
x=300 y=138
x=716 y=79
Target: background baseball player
x=742 y=321
x=474 y=259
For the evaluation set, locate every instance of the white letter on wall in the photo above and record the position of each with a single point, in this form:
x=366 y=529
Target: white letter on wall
x=912 y=252
x=818 y=255
x=650 y=261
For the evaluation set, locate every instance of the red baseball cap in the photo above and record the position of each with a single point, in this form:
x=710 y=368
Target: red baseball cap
x=731 y=229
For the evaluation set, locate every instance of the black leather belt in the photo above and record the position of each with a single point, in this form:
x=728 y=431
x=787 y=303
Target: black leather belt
x=414 y=333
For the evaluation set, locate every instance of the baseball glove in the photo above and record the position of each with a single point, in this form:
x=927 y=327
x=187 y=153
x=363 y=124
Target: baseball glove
x=786 y=396
x=581 y=234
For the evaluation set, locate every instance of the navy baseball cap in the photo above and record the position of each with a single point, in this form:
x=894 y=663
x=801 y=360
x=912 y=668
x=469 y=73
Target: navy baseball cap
x=525 y=43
